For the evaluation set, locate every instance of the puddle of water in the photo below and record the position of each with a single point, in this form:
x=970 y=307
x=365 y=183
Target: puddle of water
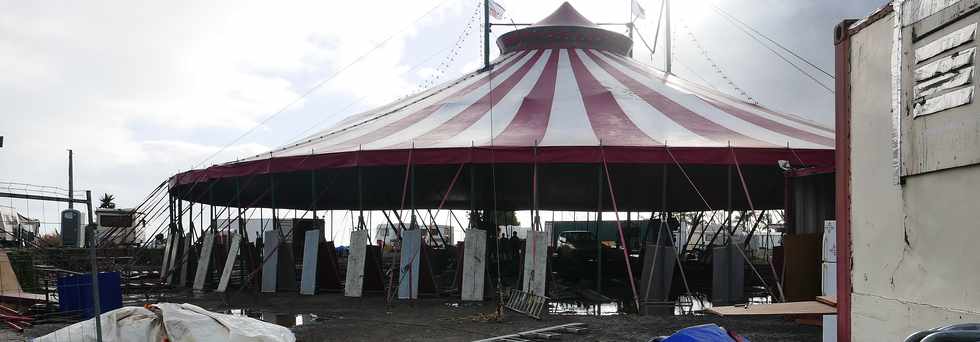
x=697 y=303
x=286 y=320
x=585 y=309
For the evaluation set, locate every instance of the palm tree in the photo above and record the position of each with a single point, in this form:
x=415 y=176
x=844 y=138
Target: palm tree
x=107 y=202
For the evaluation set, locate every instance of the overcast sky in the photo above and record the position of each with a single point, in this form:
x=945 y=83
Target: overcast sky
x=141 y=90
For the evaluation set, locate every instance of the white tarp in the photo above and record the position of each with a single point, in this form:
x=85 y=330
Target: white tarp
x=180 y=322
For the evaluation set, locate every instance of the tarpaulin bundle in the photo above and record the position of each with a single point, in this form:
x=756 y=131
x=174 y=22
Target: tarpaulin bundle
x=172 y=322
x=702 y=333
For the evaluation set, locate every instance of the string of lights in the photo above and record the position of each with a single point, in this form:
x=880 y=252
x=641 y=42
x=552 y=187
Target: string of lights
x=714 y=65
x=443 y=66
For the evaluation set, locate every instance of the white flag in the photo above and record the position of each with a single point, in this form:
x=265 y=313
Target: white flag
x=496 y=10
x=638 y=11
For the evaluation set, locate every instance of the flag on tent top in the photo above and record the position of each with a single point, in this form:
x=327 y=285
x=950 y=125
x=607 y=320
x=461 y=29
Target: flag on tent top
x=638 y=11
x=496 y=10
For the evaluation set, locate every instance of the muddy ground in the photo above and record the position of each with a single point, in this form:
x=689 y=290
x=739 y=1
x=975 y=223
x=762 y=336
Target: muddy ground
x=333 y=317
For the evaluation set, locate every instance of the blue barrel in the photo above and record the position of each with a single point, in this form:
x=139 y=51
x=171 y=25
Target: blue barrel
x=75 y=293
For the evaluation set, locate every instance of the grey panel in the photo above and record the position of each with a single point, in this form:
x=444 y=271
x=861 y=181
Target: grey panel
x=311 y=250
x=728 y=275
x=474 y=265
x=658 y=272
x=166 y=255
x=940 y=124
x=535 y=263
x=185 y=260
x=236 y=243
x=270 y=257
x=355 y=263
x=408 y=279
x=204 y=262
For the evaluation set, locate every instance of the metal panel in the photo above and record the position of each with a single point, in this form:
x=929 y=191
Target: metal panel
x=943 y=44
x=270 y=266
x=166 y=255
x=204 y=262
x=175 y=256
x=943 y=65
x=658 y=272
x=535 y=263
x=942 y=83
x=355 y=263
x=940 y=128
x=474 y=265
x=915 y=10
x=311 y=251
x=236 y=244
x=185 y=260
x=728 y=275
x=408 y=279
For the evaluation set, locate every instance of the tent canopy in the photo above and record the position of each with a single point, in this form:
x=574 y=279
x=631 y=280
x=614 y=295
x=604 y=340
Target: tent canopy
x=563 y=96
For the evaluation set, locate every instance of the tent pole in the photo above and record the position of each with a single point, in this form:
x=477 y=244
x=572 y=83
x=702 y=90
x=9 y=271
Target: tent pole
x=622 y=237
x=667 y=38
x=486 y=34
x=598 y=228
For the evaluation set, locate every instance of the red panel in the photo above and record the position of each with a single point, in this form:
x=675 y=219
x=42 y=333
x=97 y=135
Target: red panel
x=475 y=111
x=531 y=120
x=676 y=112
x=505 y=155
x=843 y=179
x=610 y=123
x=411 y=119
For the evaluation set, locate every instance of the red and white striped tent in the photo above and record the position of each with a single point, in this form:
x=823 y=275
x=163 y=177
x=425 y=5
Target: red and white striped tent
x=564 y=92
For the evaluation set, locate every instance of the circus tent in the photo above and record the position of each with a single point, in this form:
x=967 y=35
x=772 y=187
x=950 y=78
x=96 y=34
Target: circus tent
x=562 y=99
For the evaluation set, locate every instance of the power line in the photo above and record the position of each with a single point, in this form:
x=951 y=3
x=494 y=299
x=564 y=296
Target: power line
x=398 y=32
x=798 y=68
x=733 y=18
x=454 y=51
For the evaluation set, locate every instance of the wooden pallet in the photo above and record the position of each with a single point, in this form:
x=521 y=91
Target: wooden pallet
x=526 y=303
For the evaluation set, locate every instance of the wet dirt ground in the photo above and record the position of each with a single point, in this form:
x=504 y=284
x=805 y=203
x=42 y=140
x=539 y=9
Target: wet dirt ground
x=333 y=317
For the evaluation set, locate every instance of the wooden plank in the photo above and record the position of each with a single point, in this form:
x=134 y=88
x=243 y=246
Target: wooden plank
x=311 y=252
x=792 y=308
x=8 y=279
x=535 y=263
x=829 y=300
x=236 y=243
x=270 y=255
x=354 y=284
x=204 y=261
x=474 y=265
x=408 y=275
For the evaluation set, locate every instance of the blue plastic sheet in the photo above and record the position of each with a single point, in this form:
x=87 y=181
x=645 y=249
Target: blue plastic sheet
x=702 y=333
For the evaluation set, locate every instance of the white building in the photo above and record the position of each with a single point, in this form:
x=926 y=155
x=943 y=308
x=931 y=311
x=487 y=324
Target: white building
x=908 y=170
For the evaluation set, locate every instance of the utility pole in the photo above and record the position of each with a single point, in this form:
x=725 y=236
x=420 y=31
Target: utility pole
x=71 y=182
x=96 y=303
x=667 y=42
x=486 y=34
